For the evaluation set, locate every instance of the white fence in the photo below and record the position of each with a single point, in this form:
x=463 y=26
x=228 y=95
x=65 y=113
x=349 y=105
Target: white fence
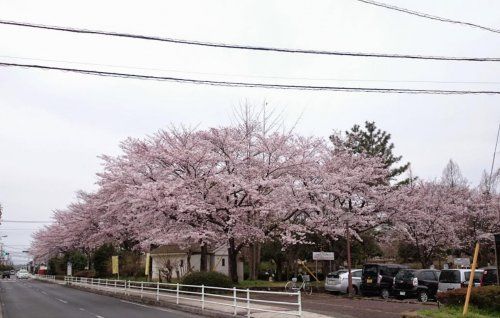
x=45 y=277
x=236 y=298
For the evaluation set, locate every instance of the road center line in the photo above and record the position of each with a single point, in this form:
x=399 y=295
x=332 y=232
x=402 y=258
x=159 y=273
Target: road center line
x=62 y=300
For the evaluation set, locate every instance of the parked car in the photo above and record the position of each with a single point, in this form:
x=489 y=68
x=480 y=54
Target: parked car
x=489 y=277
x=450 y=279
x=377 y=279
x=12 y=272
x=338 y=281
x=22 y=274
x=421 y=284
x=5 y=274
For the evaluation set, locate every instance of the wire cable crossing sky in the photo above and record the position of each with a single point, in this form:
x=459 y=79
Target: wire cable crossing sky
x=256 y=85
x=250 y=47
x=429 y=16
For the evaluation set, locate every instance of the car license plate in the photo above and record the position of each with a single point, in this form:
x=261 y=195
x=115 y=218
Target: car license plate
x=402 y=293
x=368 y=280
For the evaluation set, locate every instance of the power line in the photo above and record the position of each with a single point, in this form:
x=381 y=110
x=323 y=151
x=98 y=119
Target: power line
x=21 y=221
x=246 y=75
x=247 y=84
x=428 y=16
x=19 y=229
x=248 y=47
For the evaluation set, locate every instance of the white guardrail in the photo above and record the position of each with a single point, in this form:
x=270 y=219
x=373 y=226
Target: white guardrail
x=234 y=297
x=45 y=277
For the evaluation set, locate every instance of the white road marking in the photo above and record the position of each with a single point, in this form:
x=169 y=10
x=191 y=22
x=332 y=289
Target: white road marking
x=43 y=292
x=97 y=316
x=82 y=309
x=61 y=300
x=146 y=306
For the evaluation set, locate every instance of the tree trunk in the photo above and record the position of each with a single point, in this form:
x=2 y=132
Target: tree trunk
x=188 y=262
x=252 y=261
x=233 y=261
x=203 y=257
x=279 y=270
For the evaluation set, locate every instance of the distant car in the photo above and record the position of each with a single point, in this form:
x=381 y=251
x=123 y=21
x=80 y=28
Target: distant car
x=377 y=279
x=23 y=274
x=489 y=277
x=421 y=284
x=5 y=274
x=12 y=272
x=338 y=281
x=450 y=279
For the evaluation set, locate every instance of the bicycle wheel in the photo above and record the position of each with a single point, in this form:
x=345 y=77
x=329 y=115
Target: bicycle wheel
x=290 y=287
x=308 y=289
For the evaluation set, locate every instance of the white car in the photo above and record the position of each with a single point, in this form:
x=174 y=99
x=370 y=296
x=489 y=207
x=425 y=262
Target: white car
x=457 y=278
x=23 y=274
x=338 y=281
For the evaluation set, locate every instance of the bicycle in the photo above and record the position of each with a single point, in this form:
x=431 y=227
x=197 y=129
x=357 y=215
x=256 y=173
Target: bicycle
x=293 y=286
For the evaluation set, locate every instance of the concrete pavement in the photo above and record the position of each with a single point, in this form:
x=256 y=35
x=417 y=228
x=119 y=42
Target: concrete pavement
x=34 y=299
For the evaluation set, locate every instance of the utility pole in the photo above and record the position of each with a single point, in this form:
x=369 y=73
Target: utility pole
x=348 y=240
x=493 y=161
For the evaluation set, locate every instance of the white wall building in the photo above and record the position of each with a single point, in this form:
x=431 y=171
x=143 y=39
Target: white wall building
x=175 y=257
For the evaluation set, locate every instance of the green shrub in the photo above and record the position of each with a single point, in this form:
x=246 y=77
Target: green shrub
x=102 y=260
x=213 y=279
x=487 y=297
x=85 y=273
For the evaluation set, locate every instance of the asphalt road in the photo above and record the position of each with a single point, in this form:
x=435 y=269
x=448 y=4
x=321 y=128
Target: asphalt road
x=34 y=299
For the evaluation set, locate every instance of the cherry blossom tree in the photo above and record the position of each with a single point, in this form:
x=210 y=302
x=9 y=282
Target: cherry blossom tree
x=478 y=221
x=429 y=212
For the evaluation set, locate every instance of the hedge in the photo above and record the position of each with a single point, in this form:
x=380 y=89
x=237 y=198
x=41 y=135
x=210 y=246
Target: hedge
x=486 y=297
x=213 y=279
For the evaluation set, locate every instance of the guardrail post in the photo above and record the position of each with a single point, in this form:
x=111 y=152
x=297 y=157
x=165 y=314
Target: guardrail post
x=142 y=288
x=128 y=287
x=202 y=297
x=158 y=291
x=300 y=303
x=124 y=287
x=177 y=295
x=248 y=302
x=234 y=301
x=115 y=288
x=106 y=283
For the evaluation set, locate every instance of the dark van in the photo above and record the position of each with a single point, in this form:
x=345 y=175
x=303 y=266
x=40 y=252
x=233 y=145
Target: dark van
x=421 y=284
x=377 y=279
x=490 y=276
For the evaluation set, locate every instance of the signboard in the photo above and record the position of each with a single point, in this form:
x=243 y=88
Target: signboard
x=462 y=262
x=114 y=264
x=69 y=269
x=323 y=256
x=148 y=256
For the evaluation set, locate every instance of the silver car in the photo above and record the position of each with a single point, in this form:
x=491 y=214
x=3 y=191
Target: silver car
x=338 y=281
x=457 y=278
x=22 y=274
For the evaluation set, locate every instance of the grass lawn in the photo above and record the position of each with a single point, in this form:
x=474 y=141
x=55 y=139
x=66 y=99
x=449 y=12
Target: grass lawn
x=259 y=283
x=449 y=312
x=265 y=283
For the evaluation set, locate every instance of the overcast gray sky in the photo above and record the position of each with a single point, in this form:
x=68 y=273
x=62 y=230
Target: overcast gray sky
x=53 y=125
